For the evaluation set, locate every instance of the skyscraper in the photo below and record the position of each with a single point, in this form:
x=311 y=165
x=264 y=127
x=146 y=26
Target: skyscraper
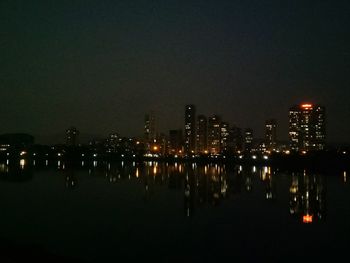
x=248 y=140
x=224 y=136
x=270 y=134
x=307 y=127
x=214 y=133
x=190 y=129
x=202 y=135
x=150 y=127
x=175 y=142
x=235 y=142
x=72 y=135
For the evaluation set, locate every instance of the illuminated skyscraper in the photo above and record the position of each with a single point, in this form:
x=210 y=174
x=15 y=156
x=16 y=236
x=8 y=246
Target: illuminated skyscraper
x=248 y=140
x=190 y=129
x=307 y=127
x=202 y=134
x=270 y=134
x=72 y=135
x=224 y=136
x=214 y=132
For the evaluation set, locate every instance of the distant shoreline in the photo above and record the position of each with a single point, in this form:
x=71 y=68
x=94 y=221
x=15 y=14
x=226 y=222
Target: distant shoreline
x=315 y=161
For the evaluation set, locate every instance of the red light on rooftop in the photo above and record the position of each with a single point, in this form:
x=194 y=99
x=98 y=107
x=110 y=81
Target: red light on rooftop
x=307 y=219
x=306 y=105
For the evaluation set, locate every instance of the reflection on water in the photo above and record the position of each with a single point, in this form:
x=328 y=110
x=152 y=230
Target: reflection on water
x=201 y=184
x=201 y=209
x=71 y=180
x=15 y=173
x=307 y=197
x=344 y=176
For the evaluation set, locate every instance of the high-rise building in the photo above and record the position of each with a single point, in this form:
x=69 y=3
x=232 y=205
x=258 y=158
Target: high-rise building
x=270 y=134
x=214 y=132
x=190 y=129
x=202 y=135
x=307 y=127
x=112 y=142
x=72 y=135
x=150 y=127
x=248 y=140
x=175 y=142
x=235 y=142
x=224 y=136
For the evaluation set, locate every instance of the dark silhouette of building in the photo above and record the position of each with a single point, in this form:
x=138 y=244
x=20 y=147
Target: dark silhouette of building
x=175 y=141
x=72 y=136
x=271 y=134
x=235 y=140
x=150 y=127
x=202 y=135
x=248 y=140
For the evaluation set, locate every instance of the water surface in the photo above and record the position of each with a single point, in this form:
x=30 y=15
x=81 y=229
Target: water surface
x=103 y=212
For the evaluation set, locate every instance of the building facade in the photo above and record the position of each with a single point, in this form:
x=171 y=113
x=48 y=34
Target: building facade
x=150 y=127
x=175 y=142
x=271 y=134
x=307 y=127
x=72 y=136
x=202 y=135
x=248 y=140
x=214 y=132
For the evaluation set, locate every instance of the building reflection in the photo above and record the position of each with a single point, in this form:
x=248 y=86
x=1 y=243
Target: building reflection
x=16 y=172
x=307 y=197
x=71 y=181
x=267 y=178
x=200 y=185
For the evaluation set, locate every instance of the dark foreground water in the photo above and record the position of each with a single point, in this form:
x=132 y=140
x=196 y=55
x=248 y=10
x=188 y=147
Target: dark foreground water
x=158 y=212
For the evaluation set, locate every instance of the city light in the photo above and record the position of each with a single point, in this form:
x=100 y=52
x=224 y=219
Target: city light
x=344 y=177
x=306 y=105
x=307 y=219
x=22 y=163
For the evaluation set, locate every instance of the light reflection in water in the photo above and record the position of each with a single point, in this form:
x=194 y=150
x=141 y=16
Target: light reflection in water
x=211 y=184
x=4 y=168
x=307 y=197
x=22 y=163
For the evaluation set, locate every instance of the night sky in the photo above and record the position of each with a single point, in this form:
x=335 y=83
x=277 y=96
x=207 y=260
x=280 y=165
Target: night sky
x=101 y=65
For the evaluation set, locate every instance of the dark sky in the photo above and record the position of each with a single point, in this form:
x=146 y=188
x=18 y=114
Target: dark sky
x=101 y=65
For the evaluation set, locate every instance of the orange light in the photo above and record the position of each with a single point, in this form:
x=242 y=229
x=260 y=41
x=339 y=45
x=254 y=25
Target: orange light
x=155 y=148
x=306 y=105
x=307 y=219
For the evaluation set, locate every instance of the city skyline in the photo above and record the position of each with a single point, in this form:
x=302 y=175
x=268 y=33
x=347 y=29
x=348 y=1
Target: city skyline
x=190 y=129
x=101 y=66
